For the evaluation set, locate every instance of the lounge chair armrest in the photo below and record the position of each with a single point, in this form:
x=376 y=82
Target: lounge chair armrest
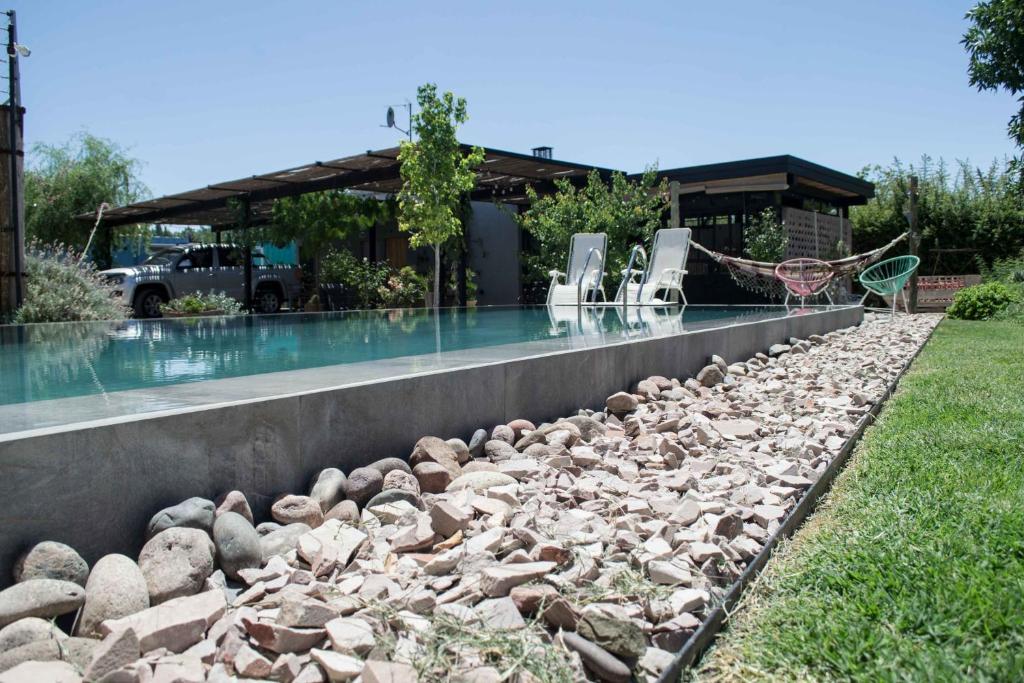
x=556 y=273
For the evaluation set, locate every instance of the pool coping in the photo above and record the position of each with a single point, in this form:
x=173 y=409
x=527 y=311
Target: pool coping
x=702 y=639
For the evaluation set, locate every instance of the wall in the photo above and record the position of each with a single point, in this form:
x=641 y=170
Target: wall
x=96 y=487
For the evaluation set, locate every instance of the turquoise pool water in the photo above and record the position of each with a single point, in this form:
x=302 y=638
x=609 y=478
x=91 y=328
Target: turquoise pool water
x=43 y=362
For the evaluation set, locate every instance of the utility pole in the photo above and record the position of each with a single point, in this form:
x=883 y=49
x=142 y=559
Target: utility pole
x=12 y=239
x=914 y=242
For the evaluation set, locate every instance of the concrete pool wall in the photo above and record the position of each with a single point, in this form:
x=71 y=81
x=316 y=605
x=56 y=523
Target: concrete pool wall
x=95 y=486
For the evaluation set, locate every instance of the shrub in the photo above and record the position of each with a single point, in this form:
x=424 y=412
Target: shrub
x=374 y=284
x=201 y=303
x=61 y=287
x=982 y=302
x=764 y=238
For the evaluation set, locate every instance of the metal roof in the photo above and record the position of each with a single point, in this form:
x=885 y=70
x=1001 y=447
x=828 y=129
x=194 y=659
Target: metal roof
x=503 y=176
x=775 y=172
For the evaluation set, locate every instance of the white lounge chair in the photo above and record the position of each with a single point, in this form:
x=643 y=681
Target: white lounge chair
x=664 y=273
x=585 y=271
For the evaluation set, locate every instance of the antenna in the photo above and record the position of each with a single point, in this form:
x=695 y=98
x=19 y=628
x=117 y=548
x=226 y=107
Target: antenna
x=390 y=119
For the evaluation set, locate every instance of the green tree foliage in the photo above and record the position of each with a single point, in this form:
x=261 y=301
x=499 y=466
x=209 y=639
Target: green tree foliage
x=628 y=210
x=63 y=181
x=62 y=287
x=995 y=43
x=374 y=285
x=765 y=238
x=319 y=219
x=982 y=302
x=966 y=208
x=435 y=174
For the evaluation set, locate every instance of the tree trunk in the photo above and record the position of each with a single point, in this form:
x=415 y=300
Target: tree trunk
x=437 y=275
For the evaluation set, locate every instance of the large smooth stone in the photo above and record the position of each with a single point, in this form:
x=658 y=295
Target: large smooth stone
x=589 y=428
x=238 y=544
x=460 y=449
x=233 y=501
x=52 y=560
x=176 y=562
x=281 y=541
x=385 y=465
x=39 y=598
x=329 y=488
x=394 y=495
x=363 y=484
x=116 y=588
x=194 y=513
x=603 y=664
x=479 y=481
x=298 y=510
x=476 y=443
x=431 y=477
x=27 y=630
x=51 y=672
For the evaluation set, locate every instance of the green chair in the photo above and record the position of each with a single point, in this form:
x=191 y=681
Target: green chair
x=887 y=277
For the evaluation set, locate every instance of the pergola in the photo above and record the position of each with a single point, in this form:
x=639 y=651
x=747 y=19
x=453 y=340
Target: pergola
x=246 y=202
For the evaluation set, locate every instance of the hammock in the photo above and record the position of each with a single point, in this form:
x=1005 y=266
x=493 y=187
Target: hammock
x=759 y=276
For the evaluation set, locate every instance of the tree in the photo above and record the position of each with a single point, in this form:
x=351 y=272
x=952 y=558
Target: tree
x=435 y=174
x=63 y=181
x=995 y=43
x=765 y=238
x=629 y=211
x=318 y=219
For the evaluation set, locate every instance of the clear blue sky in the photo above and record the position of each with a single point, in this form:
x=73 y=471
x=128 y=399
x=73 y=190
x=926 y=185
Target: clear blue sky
x=209 y=91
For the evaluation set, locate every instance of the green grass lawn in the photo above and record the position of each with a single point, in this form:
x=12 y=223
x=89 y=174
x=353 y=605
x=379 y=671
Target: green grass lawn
x=913 y=567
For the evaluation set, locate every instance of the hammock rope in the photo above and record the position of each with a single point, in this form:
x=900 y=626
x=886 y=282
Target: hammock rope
x=759 y=276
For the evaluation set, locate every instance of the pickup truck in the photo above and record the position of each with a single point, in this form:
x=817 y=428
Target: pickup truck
x=173 y=272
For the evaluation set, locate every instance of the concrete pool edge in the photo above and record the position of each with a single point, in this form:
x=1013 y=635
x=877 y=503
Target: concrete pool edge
x=95 y=487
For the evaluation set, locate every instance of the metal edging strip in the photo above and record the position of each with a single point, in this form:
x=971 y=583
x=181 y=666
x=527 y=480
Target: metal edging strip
x=706 y=633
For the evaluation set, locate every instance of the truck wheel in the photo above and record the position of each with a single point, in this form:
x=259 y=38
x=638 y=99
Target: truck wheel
x=147 y=303
x=267 y=300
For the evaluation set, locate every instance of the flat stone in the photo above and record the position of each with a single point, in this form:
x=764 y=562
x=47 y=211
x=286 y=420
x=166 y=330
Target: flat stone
x=432 y=477
x=499 y=614
x=776 y=350
x=195 y=513
x=297 y=611
x=529 y=598
x=298 y=510
x=741 y=429
x=117 y=650
x=480 y=481
x=52 y=560
x=330 y=545
x=176 y=624
x=447 y=520
x=668 y=573
x=328 y=488
x=498 y=581
x=598 y=660
x=610 y=627
x=176 y=562
x=702 y=552
x=375 y=671
x=351 y=636
x=338 y=667
x=283 y=540
x=280 y=639
x=234 y=501
x=765 y=514
x=560 y=614
x=251 y=664
x=39 y=598
x=238 y=544
x=50 y=672
x=590 y=428
x=419 y=536
x=116 y=588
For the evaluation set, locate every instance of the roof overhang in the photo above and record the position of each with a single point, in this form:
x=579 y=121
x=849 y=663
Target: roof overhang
x=502 y=177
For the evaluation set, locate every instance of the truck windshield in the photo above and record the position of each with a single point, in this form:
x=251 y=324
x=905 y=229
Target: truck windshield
x=165 y=257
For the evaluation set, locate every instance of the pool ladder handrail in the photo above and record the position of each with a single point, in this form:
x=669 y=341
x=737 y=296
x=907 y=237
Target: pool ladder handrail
x=627 y=274
x=583 y=274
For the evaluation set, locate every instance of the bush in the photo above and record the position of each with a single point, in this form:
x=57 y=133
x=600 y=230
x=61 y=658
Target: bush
x=374 y=284
x=982 y=302
x=61 y=287
x=202 y=303
x=764 y=238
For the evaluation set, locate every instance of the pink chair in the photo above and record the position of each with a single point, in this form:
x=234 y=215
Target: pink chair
x=804 y=277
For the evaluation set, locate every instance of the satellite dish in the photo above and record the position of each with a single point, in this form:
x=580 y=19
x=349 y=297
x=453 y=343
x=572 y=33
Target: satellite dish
x=391 y=117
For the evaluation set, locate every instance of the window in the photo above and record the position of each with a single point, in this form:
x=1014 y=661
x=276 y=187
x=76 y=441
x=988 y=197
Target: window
x=230 y=257
x=201 y=258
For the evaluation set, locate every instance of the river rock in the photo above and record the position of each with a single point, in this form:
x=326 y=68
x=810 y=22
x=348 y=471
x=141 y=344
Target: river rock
x=479 y=466
x=393 y=496
x=432 y=478
x=610 y=627
x=363 y=484
x=476 y=443
x=400 y=479
x=283 y=540
x=238 y=544
x=328 y=489
x=345 y=511
x=433 y=449
x=298 y=510
x=598 y=660
x=234 y=501
x=503 y=433
x=776 y=350
x=52 y=560
x=621 y=402
x=589 y=428
x=710 y=375
x=496 y=450
x=26 y=630
x=385 y=465
x=460 y=449
x=195 y=513
x=520 y=427
x=480 y=481
x=39 y=598
x=116 y=588
x=176 y=562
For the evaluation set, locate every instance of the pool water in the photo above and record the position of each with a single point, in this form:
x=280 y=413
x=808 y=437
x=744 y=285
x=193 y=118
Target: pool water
x=53 y=361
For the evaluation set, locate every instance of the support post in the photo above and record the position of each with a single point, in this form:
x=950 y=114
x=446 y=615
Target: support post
x=246 y=218
x=673 y=191
x=914 y=243
x=12 y=235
